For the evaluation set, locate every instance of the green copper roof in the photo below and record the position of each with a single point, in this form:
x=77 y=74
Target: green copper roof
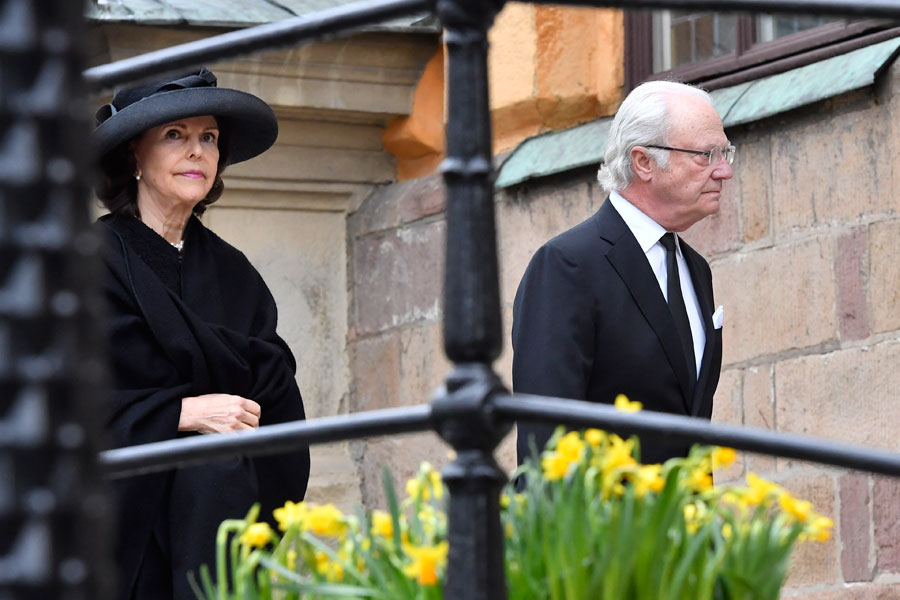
x=585 y=144
x=555 y=152
x=227 y=13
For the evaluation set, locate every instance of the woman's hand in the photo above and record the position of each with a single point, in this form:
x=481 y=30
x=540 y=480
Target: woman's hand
x=218 y=413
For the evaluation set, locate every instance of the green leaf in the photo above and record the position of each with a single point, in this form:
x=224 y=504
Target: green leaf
x=297 y=583
x=330 y=590
x=195 y=587
x=207 y=582
x=679 y=579
x=394 y=508
x=349 y=569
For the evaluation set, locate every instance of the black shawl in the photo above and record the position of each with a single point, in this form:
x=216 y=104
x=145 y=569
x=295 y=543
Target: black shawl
x=187 y=324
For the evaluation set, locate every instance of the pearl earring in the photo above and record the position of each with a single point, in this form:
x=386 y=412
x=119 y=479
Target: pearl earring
x=137 y=177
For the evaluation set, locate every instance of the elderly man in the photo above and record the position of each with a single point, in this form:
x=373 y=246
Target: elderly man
x=619 y=304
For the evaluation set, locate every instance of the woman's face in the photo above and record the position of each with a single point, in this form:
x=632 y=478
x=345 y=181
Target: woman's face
x=177 y=161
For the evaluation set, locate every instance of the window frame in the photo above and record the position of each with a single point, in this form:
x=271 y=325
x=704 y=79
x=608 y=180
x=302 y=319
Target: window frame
x=749 y=54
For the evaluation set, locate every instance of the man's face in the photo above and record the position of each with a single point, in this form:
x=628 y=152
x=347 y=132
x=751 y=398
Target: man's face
x=690 y=188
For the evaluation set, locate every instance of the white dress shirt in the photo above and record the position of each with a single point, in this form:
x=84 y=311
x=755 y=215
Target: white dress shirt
x=647 y=232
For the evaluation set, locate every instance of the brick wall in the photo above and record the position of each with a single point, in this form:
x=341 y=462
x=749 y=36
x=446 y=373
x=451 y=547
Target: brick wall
x=804 y=258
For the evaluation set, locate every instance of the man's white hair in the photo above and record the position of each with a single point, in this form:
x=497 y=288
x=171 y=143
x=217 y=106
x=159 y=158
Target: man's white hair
x=642 y=119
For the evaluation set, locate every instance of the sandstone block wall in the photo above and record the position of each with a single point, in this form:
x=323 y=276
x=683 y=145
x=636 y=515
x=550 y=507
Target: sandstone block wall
x=804 y=258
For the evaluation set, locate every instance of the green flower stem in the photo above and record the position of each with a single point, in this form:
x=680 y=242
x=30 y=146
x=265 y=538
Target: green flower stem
x=227 y=527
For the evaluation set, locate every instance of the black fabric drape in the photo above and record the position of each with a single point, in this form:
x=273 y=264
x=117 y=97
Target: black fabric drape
x=183 y=325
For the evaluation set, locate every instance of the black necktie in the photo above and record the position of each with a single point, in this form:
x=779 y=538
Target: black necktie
x=676 y=304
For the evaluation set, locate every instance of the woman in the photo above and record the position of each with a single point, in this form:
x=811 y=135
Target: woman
x=192 y=325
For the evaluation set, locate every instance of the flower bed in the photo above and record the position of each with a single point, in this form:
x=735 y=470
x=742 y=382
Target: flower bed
x=591 y=522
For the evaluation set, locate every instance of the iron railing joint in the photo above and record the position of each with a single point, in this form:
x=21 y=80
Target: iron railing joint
x=463 y=410
x=463 y=414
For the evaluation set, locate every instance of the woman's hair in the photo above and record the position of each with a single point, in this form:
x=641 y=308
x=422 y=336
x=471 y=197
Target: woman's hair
x=642 y=119
x=116 y=186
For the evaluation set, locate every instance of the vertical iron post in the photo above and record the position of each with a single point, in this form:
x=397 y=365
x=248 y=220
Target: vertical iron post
x=53 y=533
x=472 y=330
x=472 y=322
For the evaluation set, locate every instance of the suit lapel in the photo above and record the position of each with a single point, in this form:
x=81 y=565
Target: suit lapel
x=630 y=262
x=703 y=288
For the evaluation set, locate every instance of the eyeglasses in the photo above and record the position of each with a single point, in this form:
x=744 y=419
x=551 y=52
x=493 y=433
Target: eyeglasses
x=714 y=154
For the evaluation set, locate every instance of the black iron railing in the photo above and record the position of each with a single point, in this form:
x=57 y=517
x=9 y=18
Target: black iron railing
x=272 y=439
x=53 y=530
x=49 y=505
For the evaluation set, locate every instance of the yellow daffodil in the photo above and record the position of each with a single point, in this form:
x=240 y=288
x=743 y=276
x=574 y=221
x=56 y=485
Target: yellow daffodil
x=290 y=563
x=727 y=531
x=616 y=459
x=619 y=454
x=647 y=478
x=556 y=463
x=819 y=529
x=433 y=484
x=382 y=524
x=555 y=466
x=325 y=520
x=516 y=501
x=699 y=480
x=415 y=491
x=694 y=515
x=595 y=437
x=257 y=535
x=723 y=457
x=760 y=491
x=799 y=509
x=436 y=483
x=321 y=560
x=626 y=405
x=730 y=497
x=333 y=571
x=570 y=446
x=426 y=561
x=290 y=514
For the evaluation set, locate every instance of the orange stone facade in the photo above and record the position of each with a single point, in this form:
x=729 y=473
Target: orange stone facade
x=550 y=68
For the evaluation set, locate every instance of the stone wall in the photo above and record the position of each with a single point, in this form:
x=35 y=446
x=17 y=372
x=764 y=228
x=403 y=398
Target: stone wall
x=803 y=255
x=803 y=261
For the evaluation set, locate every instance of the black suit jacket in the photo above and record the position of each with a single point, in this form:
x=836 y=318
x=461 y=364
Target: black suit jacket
x=590 y=322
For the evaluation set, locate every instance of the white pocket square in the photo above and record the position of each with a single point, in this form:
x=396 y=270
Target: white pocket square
x=718 y=316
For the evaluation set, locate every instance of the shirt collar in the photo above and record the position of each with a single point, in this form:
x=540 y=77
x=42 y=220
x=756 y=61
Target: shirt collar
x=645 y=230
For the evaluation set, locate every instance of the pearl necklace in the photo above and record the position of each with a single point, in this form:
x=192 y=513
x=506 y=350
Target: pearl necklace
x=179 y=245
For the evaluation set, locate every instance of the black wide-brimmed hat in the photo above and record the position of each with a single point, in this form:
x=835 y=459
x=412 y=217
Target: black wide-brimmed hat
x=251 y=124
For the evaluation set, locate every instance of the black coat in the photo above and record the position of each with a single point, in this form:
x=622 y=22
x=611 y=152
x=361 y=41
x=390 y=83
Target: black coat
x=590 y=322
x=186 y=325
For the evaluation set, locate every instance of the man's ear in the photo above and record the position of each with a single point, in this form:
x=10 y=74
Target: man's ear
x=642 y=163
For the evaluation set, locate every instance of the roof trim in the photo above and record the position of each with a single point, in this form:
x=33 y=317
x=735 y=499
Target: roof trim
x=235 y=13
x=584 y=145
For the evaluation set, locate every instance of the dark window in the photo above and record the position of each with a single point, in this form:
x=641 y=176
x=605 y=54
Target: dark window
x=724 y=48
